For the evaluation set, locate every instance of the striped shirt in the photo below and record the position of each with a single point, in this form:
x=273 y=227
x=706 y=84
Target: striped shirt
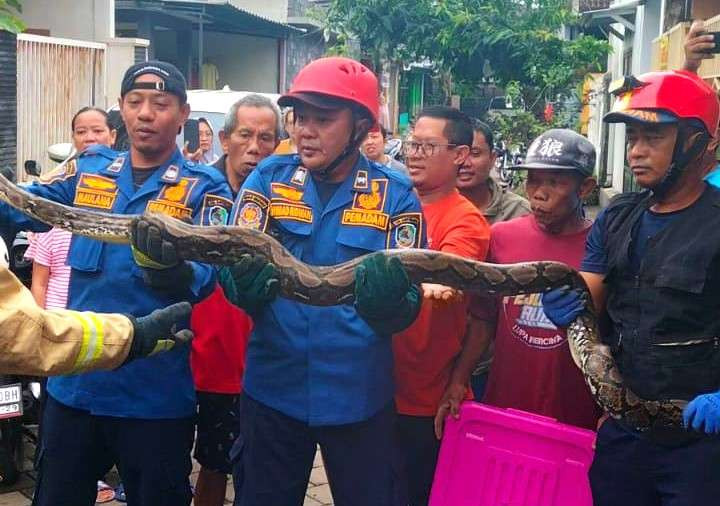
x=51 y=250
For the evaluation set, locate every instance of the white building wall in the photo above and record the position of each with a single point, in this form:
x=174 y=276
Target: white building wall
x=244 y=63
x=91 y=20
x=647 y=28
x=277 y=10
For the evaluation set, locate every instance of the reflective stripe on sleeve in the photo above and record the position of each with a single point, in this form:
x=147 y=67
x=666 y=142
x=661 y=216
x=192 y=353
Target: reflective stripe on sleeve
x=92 y=340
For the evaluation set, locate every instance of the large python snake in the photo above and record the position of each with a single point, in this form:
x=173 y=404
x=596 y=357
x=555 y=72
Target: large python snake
x=330 y=285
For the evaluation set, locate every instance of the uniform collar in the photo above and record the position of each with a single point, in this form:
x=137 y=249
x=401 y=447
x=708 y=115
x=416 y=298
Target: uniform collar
x=169 y=172
x=349 y=186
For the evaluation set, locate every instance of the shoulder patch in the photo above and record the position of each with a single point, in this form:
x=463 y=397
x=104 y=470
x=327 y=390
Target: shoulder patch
x=60 y=173
x=216 y=208
x=252 y=210
x=405 y=231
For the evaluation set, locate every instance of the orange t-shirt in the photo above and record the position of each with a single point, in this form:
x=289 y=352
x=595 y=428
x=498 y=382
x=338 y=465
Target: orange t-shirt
x=426 y=351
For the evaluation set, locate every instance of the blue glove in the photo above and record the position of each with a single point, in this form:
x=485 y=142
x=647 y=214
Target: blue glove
x=703 y=412
x=562 y=305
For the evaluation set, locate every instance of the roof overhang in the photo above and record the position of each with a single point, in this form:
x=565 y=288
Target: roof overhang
x=215 y=15
x=622 y=12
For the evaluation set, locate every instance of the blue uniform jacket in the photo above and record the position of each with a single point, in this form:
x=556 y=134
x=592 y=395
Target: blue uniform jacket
x=105 y=278
x=324 y=365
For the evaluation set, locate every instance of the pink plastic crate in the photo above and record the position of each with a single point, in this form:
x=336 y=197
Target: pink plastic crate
x=506 y=457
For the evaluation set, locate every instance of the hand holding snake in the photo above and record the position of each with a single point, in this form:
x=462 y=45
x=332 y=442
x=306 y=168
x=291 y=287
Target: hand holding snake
x=330 y=285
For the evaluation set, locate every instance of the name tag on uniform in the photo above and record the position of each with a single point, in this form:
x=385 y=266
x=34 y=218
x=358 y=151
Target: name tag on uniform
x=95 y=191
x=290 y=211
x=367 y=208
x=359 y=218
x=168 y=208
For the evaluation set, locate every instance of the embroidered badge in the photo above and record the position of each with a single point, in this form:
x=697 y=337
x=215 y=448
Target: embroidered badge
x=356 y=217
x=60 y=173
x=252 y=210
x=287 y=192
x=405 y=231
x=171 y=174
x=299 y=176
x=373 y=201
x=361 y=180
x=290 y=211
x=216 y=209
x=117 y=165
x=178 y=193
x=95 y=191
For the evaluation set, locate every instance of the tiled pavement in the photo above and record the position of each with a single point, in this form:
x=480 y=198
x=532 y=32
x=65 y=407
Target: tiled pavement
x=318 y=492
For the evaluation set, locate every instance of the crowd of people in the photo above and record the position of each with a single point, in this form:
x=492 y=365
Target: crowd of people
x=268 y=379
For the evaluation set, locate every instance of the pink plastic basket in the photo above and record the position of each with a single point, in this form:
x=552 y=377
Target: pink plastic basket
x=506 y=457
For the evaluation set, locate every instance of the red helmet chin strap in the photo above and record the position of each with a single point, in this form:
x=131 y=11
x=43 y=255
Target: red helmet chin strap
x=681 y=159
x=354 y=142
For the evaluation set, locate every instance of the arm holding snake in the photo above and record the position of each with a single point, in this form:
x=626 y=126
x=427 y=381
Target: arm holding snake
x=321 y=285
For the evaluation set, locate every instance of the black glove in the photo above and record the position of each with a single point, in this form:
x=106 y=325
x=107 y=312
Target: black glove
x=251 y=283
x=384 y=296
x=162 y=270
x=160 y=331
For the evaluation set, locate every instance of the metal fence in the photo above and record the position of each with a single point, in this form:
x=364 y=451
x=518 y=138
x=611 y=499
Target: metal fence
x=56 y=77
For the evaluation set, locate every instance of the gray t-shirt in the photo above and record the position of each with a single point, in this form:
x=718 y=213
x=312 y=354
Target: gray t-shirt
x=504 y=204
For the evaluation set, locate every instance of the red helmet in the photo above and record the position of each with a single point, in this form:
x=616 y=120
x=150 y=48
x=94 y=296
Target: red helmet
x=337 y=78
x=650 y=97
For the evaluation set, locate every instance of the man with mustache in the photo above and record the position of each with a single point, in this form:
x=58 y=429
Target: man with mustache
x=652 y=265
x=559 y=165
x=250 y=134
x=141 y=416
x=323 y=375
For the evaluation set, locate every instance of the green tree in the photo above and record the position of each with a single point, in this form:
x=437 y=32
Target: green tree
x=9 y=20
x=516 y=40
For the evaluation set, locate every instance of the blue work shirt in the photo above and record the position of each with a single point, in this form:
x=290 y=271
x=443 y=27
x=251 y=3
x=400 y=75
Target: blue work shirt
x=324 y=365
x=714 y=177
x=105 y=278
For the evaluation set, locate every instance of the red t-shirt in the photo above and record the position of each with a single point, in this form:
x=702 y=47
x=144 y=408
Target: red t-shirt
x=425 y=352
x=221 y=332
x=532 y=369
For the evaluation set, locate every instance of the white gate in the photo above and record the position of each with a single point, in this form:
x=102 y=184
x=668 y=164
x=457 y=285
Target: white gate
x=55 y=78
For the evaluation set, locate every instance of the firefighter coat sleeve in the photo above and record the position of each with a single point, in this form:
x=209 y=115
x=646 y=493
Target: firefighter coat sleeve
x=39 y=342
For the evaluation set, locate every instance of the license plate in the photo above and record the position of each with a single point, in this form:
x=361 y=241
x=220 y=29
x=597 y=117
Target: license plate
x=11 y=401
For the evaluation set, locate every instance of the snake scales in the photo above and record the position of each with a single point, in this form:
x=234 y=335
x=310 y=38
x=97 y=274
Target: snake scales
x=319 y=285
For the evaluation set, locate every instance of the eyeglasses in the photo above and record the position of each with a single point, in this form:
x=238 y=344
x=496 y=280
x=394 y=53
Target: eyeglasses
x=412 y=148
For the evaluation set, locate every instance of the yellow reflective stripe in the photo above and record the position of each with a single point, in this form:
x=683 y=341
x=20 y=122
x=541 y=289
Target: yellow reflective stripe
x=93 y=338
x=85 y=340
x=100 y=338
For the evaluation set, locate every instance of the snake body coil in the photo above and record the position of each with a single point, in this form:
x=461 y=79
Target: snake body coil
x=330 y=285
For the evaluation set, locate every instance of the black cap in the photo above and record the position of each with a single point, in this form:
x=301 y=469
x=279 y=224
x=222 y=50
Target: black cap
x=172 y=79
x=560 y=149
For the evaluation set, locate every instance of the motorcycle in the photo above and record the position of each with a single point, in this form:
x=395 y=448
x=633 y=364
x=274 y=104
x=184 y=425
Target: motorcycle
x=19 y=395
